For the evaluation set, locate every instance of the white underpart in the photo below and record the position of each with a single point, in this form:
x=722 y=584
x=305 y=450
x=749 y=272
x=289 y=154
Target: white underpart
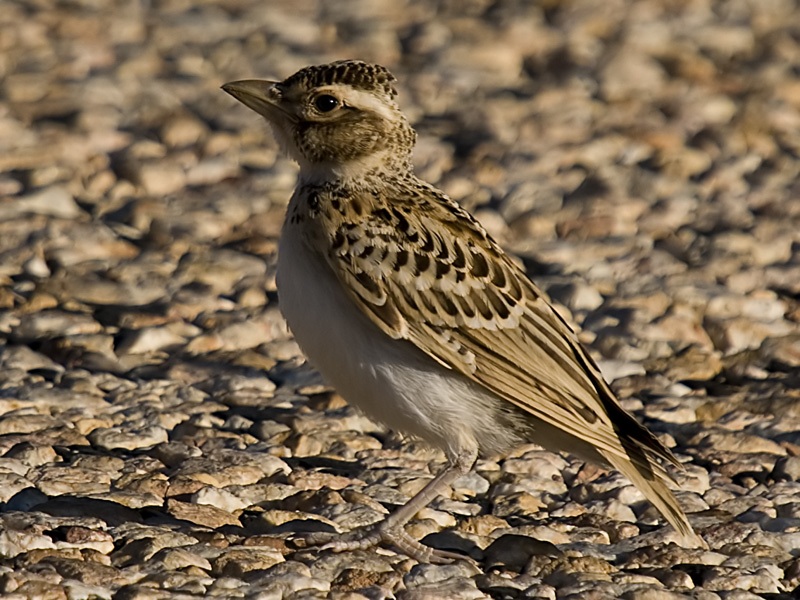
x=390 y=380
x=352 y=170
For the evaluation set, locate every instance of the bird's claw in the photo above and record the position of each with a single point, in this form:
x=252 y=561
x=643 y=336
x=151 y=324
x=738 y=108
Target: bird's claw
x=394 y=537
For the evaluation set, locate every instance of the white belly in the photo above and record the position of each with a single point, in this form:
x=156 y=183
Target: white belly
x=390 y=380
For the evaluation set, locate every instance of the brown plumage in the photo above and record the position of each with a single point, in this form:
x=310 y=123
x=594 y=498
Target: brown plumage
x=415 y=314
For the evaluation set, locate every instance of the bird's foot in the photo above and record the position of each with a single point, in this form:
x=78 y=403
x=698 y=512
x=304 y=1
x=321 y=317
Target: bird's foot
x=387 y=534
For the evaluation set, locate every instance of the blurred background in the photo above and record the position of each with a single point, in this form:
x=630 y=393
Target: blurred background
x=643 y=149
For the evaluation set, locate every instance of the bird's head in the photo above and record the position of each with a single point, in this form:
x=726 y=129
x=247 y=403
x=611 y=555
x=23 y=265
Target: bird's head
x=338 y=119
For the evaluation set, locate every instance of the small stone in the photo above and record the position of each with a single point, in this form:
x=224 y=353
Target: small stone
x=54 y=201
x=36 y=267
x=762 y=580
x=174 y=453
x=174 y=559
x=679 y=325
x=762 y=306
x=576 y=296
x=737 y=442
x=41 y=590
x=160 y=177
x=454 y=582
x=785 y=350
x=629 y=75
x=15 y=542
x=211 y=171
x=110 y=438
x=85 y=537
x=31 y=455
x=22 y=357
x=89 y=572
x=149 y=339
x=694 y=363
x=652 y=594
x=151 y=488
x=561 y=571
x=541 y=592
x=58 y=480
x=618 y=369
x=183 y=130
x=201 y=514
x=237 y=561
x=738 y=334
x=25 y=423
x=218 y=498
x=354 y=579
x=483 y=525
x=52 y=323
x=520 y=503
x=143 y=548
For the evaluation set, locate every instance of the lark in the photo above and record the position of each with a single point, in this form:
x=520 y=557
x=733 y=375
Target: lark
x=416 y=315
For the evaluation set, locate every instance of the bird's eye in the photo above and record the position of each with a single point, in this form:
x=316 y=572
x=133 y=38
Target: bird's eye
x=326 y=103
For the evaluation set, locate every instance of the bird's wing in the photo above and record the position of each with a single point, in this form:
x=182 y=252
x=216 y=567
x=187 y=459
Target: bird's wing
x=422 y=269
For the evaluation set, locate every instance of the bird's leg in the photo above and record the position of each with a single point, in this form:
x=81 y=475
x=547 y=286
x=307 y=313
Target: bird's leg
x=390 y=531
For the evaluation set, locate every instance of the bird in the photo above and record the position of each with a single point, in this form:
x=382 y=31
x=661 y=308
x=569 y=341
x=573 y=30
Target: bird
x=416 y=315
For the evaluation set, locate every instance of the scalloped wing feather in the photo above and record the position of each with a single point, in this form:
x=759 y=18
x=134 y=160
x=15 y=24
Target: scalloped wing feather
x=423 y=270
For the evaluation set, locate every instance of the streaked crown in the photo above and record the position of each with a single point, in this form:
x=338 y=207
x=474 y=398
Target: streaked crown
x=355 y=73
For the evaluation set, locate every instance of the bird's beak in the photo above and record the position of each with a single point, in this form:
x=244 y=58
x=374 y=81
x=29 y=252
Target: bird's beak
x=260 y=95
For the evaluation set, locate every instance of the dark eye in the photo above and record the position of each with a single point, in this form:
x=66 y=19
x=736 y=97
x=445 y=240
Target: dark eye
x=326 y=103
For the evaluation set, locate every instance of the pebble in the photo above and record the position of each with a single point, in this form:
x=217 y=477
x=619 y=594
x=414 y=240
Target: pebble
x=576 y=296
x=150 y=339
x=200 y=514
x=160 y=177
x=53 y=201
x=434 y=581
x=141 y=544
x=235 y=562
x=174 y=559
x=219 y=498
x=15 y=542
x=57 y=480
x=118 y=438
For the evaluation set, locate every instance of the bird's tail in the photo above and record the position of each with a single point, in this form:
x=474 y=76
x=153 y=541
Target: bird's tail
x=647 y=474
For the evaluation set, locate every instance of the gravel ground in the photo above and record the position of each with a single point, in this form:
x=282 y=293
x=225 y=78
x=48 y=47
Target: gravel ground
x=161 y=436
